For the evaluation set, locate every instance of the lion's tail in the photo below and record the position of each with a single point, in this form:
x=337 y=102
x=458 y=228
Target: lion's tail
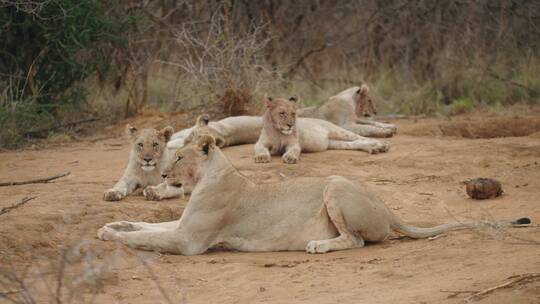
x=419 y=233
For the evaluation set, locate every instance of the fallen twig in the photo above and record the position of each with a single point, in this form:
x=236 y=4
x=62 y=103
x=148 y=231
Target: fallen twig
x=35 y=181
x=16 y=205
x=516 y=279
x=156 y=281
x=455 y=293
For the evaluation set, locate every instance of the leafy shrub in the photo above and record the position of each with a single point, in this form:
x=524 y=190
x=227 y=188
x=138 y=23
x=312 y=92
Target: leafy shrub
x=48 y=48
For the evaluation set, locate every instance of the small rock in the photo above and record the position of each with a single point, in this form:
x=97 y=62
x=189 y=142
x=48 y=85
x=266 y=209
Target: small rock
x=483 y=188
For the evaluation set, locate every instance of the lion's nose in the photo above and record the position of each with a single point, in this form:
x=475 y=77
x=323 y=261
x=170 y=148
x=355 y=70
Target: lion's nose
x=163 y=175
x=147 y=159
x=290 y=125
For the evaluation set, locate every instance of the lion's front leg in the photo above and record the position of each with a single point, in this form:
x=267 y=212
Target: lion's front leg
x=262 y=154
x=391 y=127
x=369 y=130
x=292 y=154
x=369 y=145
x=162 y=191
x=162 y=241
x=125 y=226
x=161 y=237
x=122 y=188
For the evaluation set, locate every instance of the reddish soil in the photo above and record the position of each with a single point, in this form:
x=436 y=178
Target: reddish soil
x=419 y=179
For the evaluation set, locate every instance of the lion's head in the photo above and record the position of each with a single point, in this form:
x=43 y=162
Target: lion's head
x=148 y=145
x=190 y=162
x=364 y=102
x=282 y=113
x=201 y=127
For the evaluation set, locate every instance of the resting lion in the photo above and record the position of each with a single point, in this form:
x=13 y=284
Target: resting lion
x=148 y=157
x=279 y=134
x=228 y=210
x=346 y=110
x=315 y=135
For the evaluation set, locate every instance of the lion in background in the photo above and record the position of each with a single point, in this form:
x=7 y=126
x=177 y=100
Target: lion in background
x=348 y=109
x=148 y=157
x=314 y=135
x=279 y=133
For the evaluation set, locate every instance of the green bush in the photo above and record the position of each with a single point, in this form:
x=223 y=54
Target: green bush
x=46 y=52
x=53 y=49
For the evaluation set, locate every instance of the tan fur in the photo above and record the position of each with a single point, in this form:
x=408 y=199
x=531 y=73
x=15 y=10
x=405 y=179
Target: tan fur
x=201 y=127
x=279 y=134
x=148 y=157
x=347 y=110
x=228 y=210
x=315 y=135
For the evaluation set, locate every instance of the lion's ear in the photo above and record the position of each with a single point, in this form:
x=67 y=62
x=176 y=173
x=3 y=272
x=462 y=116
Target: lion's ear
x=166 y=133
x=364 y=90
x=293 y=98
x=131 y=131
x=206 y=143
x=203 y=120
x=220 y=141
x=269 y=102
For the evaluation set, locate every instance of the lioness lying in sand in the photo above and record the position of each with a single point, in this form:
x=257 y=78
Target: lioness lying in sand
x=147 y=158
x=228 y=210
x=315 y=135
x=347 y=110
x=279 y=134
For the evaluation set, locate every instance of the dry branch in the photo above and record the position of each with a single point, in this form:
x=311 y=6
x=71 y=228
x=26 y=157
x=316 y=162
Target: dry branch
x=16 y=205
x=455 y=293
x=35 y=181
x=516 y=279
x=45 y=131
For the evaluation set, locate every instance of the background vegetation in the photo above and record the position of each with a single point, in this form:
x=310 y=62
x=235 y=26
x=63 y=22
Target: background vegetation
x=63 y=62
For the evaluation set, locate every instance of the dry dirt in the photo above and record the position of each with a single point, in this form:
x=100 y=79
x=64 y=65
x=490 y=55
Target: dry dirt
x=419 y=179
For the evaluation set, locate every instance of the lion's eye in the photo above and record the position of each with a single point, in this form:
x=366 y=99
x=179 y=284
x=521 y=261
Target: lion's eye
x=282 y=113
x=140 y=145
x=179 y=158
x=155 y=144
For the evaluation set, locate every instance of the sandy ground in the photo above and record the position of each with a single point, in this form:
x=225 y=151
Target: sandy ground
x=419 y=179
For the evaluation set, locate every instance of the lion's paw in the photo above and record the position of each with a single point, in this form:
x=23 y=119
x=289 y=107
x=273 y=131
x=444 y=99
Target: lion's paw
x=288 y=158
x=263 y=158
x=123 y=226
x=387 y=132
x=378 y=147
x=151 y=193
x=107 y=234
x=112 y=195
x=316 y=247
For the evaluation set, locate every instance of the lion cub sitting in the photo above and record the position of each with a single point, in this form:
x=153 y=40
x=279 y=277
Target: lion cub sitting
x=148 y=157
x=279 y=134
